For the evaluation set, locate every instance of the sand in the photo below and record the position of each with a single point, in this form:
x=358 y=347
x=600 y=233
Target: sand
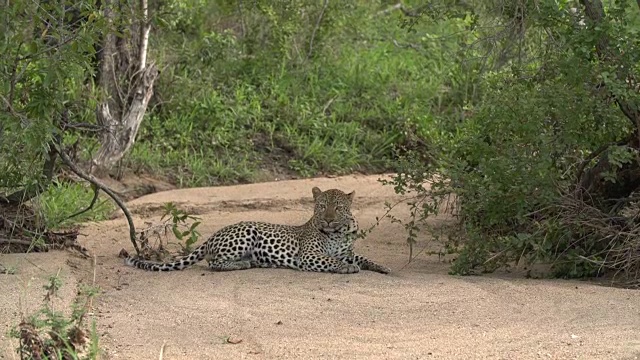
x=416 y=312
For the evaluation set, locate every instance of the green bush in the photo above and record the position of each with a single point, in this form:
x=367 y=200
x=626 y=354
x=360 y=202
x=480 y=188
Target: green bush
x=515 y=157
x=252 y=92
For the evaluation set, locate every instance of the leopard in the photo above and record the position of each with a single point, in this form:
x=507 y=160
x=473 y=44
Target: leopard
x=325 y=243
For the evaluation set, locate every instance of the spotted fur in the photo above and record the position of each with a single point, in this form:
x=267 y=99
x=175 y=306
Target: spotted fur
x=322 y=244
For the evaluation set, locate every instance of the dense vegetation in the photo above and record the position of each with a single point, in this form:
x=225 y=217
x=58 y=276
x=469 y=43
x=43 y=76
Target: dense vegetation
x=527 y=111
x=297 y=89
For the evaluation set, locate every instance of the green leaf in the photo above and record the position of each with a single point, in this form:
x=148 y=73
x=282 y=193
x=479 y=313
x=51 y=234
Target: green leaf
x=176 y=232
x=194 y=225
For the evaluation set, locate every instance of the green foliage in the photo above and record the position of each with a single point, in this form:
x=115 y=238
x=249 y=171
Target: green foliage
x=499 y=103
x=51 y=334
x=512 y=152
x=61 y=200
x=43 y=72
x=261 y=87
x=46 y=69
x=246 y=89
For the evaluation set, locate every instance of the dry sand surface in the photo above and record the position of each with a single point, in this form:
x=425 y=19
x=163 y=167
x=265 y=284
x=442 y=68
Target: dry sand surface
x=417 y=312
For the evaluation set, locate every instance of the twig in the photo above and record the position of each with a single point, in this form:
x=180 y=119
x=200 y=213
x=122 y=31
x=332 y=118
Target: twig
x=164 y=344
x=315 y=29
x=363 y=233
x=392 y=8
x=48 y=49
x=326 y=106
x=96 y=190
x=95 y=182
x=84 y=126
x=17 y=242
x=410 y=46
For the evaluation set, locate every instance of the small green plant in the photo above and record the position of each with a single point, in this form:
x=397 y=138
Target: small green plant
x=7 y=270
x=50 y=334
x=179 y=221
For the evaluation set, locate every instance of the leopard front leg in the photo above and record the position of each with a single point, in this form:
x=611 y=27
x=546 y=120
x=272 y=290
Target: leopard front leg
x=366 y=264
x=321 y=263
x=347 y=256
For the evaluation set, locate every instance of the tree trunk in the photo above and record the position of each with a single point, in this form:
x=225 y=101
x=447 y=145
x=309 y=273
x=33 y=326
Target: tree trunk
x=123 y=66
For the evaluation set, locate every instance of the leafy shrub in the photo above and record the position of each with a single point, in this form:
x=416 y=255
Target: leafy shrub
x=515 y=158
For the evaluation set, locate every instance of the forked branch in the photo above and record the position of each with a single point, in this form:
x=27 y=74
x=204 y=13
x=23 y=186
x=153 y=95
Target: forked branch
x=99 y=185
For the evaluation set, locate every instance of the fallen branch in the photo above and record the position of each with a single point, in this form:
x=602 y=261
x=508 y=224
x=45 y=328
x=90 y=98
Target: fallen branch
x=97 y=184
x=17 y=242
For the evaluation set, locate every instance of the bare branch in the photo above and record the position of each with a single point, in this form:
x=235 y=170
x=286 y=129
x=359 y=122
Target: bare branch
x=392 y=8
x=315 y=29
x=145 y=28
x=96 y=191
x=97 y=183
x=585 y=182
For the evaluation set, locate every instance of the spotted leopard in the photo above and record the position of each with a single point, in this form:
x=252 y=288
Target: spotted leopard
x=322 y=244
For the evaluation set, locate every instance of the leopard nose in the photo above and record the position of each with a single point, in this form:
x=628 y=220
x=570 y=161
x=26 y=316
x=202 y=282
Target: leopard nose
x=334 y=224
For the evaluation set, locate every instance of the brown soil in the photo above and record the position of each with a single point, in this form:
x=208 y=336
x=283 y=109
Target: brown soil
x=417 y=312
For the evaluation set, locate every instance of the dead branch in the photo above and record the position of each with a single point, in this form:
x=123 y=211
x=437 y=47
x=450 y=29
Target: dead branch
x=405 y=11
x=145 y=28
x=386 y=11
x=315 y=29
x=17 y=242
x=615 y=239
x=98 y=184
x=407 y=46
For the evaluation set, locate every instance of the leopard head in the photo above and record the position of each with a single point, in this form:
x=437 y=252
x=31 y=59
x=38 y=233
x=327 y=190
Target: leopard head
x=332 y=212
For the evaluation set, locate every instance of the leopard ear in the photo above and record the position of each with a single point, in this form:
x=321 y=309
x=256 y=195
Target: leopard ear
x=351 y=195
x=316 y=192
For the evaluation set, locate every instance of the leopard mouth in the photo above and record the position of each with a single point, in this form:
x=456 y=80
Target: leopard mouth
x=330 y=230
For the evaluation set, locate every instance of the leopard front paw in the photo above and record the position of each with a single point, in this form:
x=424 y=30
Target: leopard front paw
x=348 y=269
x=381 y=269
